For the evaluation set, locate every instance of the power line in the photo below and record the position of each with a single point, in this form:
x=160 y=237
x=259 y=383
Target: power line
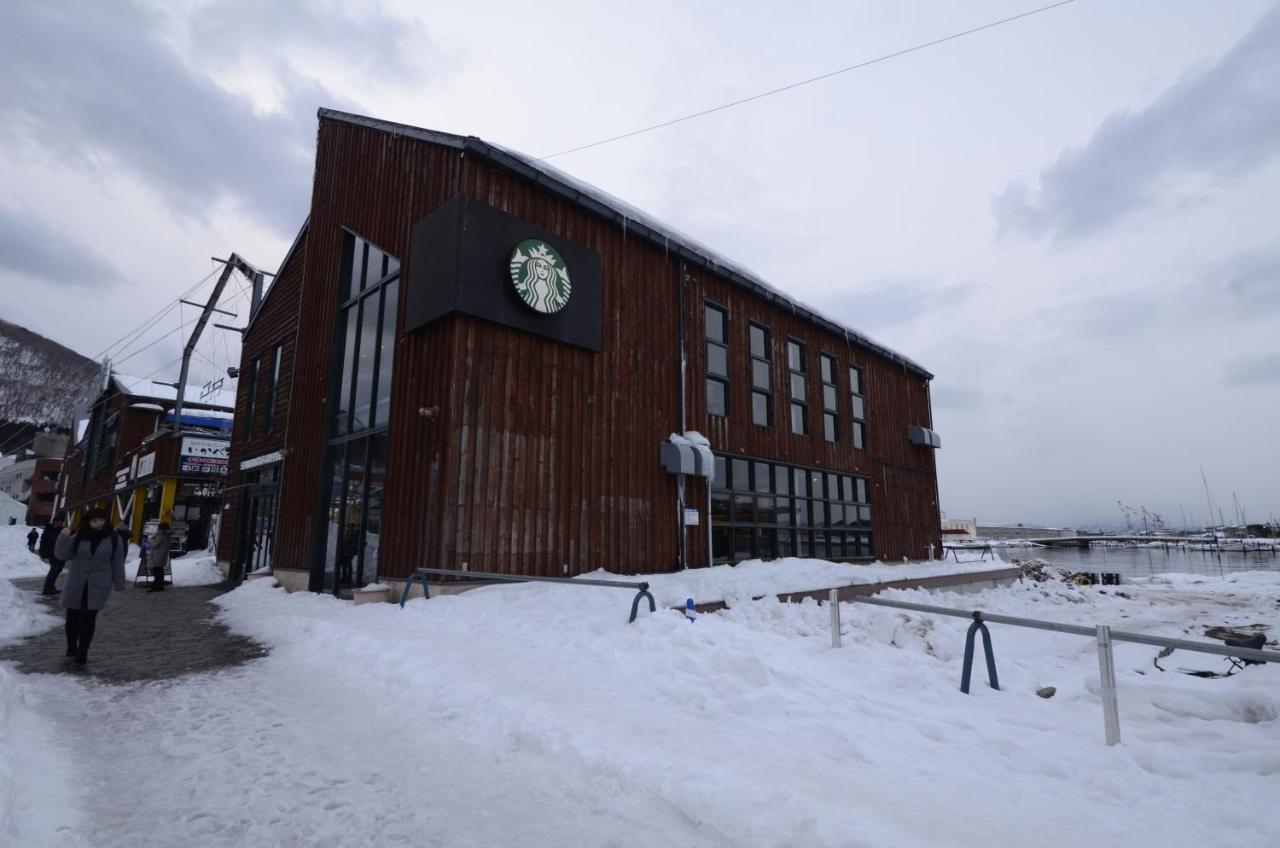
x=803 y=82
x=133 y=335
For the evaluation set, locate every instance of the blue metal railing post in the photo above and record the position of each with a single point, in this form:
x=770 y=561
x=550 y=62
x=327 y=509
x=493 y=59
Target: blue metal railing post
x=408 y=584
x=635 y=603
x=967 y=671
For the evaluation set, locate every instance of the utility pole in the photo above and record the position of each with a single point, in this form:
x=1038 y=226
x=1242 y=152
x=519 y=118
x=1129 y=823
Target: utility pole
x=232 y=263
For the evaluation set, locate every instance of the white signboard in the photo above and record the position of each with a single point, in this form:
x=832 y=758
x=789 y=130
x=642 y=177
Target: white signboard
x=122 y=477
x=146 y=465
x=692 y=518
x=203 y=456
x=259 y=461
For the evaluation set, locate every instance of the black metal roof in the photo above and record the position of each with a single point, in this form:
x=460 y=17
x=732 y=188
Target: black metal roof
x=633 y=220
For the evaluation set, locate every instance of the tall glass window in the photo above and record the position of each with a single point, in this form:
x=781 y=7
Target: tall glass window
x=717 y=331
x=273 y=386
x=251 y=406
x=830 y=417
x=767 y=510
x=799 y=394
x=859 y=416
x=364 y=355
x=761 y=376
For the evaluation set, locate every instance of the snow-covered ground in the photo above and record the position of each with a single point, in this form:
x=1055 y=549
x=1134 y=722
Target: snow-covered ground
x=534 y=715
x=195 y=568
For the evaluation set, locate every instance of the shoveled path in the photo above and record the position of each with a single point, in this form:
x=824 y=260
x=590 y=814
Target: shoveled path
x=140 y=636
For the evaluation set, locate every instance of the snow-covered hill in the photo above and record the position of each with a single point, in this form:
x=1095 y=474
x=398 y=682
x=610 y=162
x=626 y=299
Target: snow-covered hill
x=42 y=383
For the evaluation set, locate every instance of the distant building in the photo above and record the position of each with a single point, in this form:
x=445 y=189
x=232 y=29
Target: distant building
x=32 y=479
x=128 y=461
x=1020 y=531
x=959 y=530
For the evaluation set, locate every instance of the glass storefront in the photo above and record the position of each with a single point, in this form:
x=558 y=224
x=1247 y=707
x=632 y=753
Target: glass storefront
x=355 y=471
x=769 y=510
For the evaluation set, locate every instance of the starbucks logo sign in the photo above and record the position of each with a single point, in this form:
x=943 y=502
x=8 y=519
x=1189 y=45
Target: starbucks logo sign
x=540 y=276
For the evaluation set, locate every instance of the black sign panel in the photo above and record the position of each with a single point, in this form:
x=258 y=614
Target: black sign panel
x=460 y=261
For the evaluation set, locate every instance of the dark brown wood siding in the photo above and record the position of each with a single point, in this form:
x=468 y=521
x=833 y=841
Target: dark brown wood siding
x=275 y=323
x=904 y=512
x=512 y=452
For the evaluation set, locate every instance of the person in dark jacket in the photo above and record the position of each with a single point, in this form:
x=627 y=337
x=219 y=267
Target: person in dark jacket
x=95 y=563
x=159 y=556
x=48 y=539
x=32 y=537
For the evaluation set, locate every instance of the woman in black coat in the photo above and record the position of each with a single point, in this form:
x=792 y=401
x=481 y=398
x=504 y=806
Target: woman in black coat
x=95 y=562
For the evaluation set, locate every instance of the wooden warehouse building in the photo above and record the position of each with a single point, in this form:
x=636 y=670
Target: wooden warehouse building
x=470 y=359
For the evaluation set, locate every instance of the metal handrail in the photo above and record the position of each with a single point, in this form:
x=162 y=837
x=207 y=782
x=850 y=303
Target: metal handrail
x=420 y=575
x=1104 y=635
x=1077 y=630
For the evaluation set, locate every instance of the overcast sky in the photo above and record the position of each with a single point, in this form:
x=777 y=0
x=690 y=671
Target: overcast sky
x=1071 y=219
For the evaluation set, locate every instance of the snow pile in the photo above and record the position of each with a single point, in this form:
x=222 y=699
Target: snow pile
x=15 y=559
x=754 y=578
x=194 y=568
x=20 y=615
x=534 y=711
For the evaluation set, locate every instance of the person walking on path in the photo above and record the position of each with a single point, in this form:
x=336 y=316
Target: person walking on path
x=32 y=537
x=48 y=539
x=158 y=556
x=95 y=563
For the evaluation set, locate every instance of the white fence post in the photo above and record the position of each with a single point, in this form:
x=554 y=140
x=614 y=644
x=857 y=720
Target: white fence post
x=1107 y=667
x=834 y=602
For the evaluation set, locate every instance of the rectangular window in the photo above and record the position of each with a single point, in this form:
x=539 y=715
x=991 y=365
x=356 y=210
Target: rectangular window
x=716 y=323
x=799 y=397
x=386 y=353
x=859 y=425
x=761 y=377
x=830 y=416
x=251 y=403
x=273 y=386
x=365 y=338
x=763 y=510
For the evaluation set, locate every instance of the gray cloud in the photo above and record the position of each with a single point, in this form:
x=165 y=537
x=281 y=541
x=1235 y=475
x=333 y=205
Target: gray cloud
x=1254 y=370
x=894 y=302
x=369 y=41
x=1252 y=281
x=1214 y=125
x=35 y=249
x=100 y=87
x=956 y=396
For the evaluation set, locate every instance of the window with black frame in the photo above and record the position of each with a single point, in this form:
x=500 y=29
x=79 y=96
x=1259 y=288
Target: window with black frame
x=859 y=424
x=104 y=450
x=716 y=322
x=364 y=356
x=770 y=510
x=830 y=415
x=251 y=405
x=761 y=376
x=799 y=392
x=273 y=386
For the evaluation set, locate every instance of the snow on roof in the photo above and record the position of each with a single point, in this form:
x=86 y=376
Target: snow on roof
x=632 y=219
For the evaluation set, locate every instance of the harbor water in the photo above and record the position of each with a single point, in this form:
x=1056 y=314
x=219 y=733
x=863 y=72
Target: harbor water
x=1145 y=560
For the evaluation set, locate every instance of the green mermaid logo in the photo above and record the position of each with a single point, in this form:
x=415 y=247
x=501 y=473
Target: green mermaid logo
x=540 y=276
